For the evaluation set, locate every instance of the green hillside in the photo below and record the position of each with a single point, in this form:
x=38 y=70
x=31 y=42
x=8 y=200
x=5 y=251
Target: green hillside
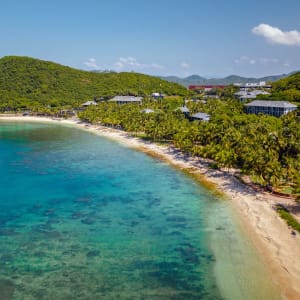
x=29 y=80
x=287 y=88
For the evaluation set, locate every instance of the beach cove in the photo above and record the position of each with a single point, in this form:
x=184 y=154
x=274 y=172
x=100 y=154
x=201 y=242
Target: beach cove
x=259 y=222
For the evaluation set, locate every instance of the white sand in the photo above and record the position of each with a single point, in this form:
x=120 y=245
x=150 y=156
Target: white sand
x=279 y=249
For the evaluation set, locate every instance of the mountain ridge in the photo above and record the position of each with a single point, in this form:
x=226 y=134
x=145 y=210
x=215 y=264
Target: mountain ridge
x=200 y=80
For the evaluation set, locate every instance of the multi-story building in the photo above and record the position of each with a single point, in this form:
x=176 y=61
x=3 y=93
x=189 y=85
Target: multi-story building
x=273 y=108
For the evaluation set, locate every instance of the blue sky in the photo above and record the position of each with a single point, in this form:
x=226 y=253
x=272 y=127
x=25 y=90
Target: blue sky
x=161 y=37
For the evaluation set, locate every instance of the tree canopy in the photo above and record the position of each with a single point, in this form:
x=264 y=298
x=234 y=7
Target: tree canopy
x=287 y=88
x=25 y=80
x=265 y=147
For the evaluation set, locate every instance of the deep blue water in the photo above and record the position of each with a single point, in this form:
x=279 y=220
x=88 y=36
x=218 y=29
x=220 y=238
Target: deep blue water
x=82 y=217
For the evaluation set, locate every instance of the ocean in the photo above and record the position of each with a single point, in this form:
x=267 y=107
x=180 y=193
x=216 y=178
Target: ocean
x=84 y=217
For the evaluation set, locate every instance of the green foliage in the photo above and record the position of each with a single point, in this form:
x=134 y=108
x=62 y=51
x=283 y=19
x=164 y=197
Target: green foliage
x=287 y=88
x=27 y=82
x=291 y=221
x=265 y=147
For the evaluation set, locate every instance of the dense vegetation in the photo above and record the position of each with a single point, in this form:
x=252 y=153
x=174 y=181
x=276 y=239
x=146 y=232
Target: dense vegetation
x=290 y=220
x=29 y=82
x=265 y=147
x=287 y=88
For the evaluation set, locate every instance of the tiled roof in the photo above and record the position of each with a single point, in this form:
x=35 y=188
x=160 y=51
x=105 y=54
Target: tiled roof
x=202 y=116
x=266 y=103
x=88 y=103
x=127 y=99
x=184 y=109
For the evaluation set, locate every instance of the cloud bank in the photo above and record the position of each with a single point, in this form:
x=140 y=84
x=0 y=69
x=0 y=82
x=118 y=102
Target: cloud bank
x=245 y=60
x=133 y=63
x=185 y=65
x=91 y=63
x=275 y=35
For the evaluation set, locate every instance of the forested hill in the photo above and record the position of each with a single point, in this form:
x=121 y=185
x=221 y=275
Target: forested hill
x=287 y=88
x=25 y=79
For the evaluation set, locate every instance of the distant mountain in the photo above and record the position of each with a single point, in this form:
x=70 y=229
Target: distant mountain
x=198 y=80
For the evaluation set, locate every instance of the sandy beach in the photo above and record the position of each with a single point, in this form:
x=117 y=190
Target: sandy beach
x=271 y=236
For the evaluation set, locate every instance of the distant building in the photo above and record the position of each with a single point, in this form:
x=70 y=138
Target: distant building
x=245 y=95
x=260 y=92
x=126 y=99
x=201 y=116
x=212 y=96
x=247 y=86
x=147 y=111
x=66 y=113
x=89 y=103
x=184 y=110
x=157 y=96
x=273 y=108
x=207 y=87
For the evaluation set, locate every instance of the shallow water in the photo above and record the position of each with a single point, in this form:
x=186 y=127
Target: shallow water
x=82 y=217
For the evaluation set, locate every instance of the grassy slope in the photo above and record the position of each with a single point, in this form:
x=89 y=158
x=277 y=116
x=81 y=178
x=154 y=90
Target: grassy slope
x=287 y=88
x=28 y=79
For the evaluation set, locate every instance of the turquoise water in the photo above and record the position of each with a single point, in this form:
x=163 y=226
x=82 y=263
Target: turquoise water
x=82 y=217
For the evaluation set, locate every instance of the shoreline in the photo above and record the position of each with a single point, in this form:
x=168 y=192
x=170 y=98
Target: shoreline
x=268 y=232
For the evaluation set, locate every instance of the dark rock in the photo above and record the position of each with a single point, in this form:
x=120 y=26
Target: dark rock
x=134 y=223
x=93 y=253
x=39 y=254
x=7 y=232
x=88 y=221
x=6 y=258
x=83 y=200
x=49 y=212
x=176 y=219
x=189 y=255
x=77 y=215
x=7 y=289
x=220 y=228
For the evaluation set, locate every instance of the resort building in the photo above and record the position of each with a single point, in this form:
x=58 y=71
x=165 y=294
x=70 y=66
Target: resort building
x=147 y=111
x=89 y=103
x=157 y=96
x=206 y=87
x=126 y=99
x=273 y=108
x=201 y=116
x=247 y=86
x=245 y=95
x=184 y=110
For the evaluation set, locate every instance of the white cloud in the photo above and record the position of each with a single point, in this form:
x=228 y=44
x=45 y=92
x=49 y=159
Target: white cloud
x=185 y=65
x=245 y=60
x=266 y=61
x=133 y=63
x=275 y=35
x=129 y=61
x=92 y=63
x=157 y=66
